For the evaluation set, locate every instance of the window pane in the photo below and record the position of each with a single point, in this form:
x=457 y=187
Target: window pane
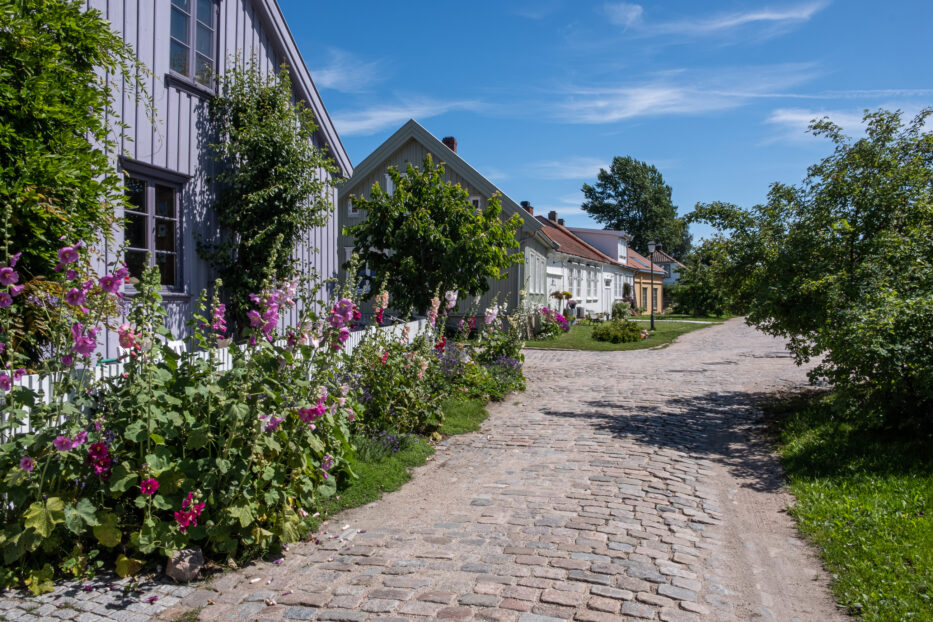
x=182 y=4
x=135 y=262
x=164 y=235
x=135 y=229
x=164 y=201
x=166 y=264
x=206 y=12
x=178 y=58
x=135 y=193
x=204 y=69
x=205 y=41
x=180 y=25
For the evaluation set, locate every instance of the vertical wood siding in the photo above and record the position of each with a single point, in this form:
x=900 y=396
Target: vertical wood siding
x=175 y=138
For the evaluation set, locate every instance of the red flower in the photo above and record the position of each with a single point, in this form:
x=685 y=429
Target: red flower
x=149 y=486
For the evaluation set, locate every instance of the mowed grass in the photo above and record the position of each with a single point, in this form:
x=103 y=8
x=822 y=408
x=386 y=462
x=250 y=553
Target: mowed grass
x=865 y=498
x=390 y=471
x=580 y=337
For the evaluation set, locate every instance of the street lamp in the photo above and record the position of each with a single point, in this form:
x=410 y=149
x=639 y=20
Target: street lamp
x=651 y=247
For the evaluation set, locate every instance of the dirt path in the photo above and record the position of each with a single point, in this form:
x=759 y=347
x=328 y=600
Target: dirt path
x=620 y=486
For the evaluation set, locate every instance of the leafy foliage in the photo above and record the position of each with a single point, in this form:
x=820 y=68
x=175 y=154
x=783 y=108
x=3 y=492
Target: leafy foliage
x=427 y=237
x=842 y=266
x=618 y=331
x=706 y=283
x=56 y=177
x=631 y=196
x=273 y=189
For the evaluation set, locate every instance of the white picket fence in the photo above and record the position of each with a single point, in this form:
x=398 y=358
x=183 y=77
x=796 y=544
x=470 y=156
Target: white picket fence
x=44 y=385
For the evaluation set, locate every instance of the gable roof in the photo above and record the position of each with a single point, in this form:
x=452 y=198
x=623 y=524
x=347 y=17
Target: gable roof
x=572 y=244
x=659 y=256
x=281 y=36
x=413 y=130
x=640 y=263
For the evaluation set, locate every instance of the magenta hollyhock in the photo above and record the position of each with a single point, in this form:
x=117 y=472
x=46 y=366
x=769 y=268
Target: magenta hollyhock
x=16 y=290
x=71 y=275
x=75 y=297
x=5 y=300
x=344 y=334
x=62 y=443
x=6 y=383
x=67 y=360
x=15 y=258
x=79 y=439
x=27 y=464
x=110 y=283
x=8 y=276
x=149 y=486
x=188 y=517
x=68 y=254
x=98 y=457
x=84 y=344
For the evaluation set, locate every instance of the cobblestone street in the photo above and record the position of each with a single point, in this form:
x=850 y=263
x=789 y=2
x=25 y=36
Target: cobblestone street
x=620 y=486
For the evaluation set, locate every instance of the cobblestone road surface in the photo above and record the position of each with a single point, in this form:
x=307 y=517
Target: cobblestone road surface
x=620 y=486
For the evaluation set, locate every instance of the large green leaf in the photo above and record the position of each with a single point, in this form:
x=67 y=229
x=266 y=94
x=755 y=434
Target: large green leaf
x=122 y=478
x=43 y=516
x=107 y=532
x=127 y=566
x=241 y=513
x=80 y=515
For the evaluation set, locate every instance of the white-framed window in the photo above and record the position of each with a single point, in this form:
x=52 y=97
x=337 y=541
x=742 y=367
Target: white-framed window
x=352 y=209
x=152 y=227
x=193 y=39
x=476 y=201
x=389 y=185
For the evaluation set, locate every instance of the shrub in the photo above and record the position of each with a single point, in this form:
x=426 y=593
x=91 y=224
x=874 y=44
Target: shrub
x=551 y=324
x=624 y=308
x=618 y=331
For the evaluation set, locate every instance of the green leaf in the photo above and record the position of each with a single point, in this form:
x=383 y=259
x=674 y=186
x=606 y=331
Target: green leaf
x=122 y=479
x=107 y=532
x=136 y=431
x=198 y=437
x=157 y=439
x=43 y=516
x=80 y=515
x=127 y=566
x=40 y=581
x=241 y=513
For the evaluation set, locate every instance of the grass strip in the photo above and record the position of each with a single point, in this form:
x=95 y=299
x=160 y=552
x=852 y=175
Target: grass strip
x=580 y=337
x=865 y=498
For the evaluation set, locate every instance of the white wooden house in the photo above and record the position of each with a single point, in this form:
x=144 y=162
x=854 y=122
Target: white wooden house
x=166 y=159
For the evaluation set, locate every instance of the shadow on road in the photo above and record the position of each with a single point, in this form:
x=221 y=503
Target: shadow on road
x=723 y=427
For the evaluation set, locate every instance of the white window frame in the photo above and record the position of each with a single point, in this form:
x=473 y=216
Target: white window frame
x=476 y=201
x=352 y=210
x=389 y=184
x=192 y=54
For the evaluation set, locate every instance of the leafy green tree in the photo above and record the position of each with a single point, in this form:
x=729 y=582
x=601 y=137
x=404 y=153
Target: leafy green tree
x=426 y=237
x=272 y=187
x=56 y=175
x=842 y=266
x=706 y=282
x=631 y=196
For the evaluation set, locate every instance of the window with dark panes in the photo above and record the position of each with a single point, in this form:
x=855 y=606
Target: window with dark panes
x=151 y=228
x=192 y=49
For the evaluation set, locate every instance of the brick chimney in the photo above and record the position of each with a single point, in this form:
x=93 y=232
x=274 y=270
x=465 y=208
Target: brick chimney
x=528 y=207
x=560 y=221
x=451 y=143
x=552 y=215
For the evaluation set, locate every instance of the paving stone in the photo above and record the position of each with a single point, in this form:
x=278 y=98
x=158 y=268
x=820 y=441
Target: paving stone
x=299 y=613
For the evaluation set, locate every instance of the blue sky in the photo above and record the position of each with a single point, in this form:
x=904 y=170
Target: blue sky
x=542 y=94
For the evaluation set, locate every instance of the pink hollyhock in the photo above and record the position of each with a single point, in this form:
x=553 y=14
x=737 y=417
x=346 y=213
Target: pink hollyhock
x=385 y=357
x=255 y=320
x=5 y=300
x=344 y=334
x=8 y=276
x=220 y=322
x=79 y=439
x=68 y=254
x=62 y=443
x=127 y=336
x=149 y=486
x=27 y=464
x=84 y=344
x=67 y=360
x=14 y=259
x=110 y=283
x=344 y=308
x=71 y=275
x=18 y=373
x=75 y=297
x=379 y=316
x=6 y=383
x=273 y=423
x=16 y=290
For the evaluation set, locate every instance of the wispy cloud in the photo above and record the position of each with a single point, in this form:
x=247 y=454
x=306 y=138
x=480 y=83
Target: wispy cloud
x=537 y=10
x=792 y=124
x=348 y=73
x=623 y=14
x=680 y=93
x=576 y=167
x=629 y=15
x=377 y=118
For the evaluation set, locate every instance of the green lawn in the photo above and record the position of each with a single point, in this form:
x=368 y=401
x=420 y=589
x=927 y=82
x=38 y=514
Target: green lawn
x=388 y=471
x=580 y=338
x=865 y=498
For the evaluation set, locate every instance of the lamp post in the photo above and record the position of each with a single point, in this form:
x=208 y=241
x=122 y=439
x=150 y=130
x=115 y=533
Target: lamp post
x=651 y=247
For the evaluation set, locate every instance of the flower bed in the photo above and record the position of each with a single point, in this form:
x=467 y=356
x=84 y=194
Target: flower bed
x=227 y=448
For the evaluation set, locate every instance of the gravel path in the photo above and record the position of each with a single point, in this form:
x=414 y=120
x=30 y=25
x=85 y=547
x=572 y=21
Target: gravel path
x=620 y=486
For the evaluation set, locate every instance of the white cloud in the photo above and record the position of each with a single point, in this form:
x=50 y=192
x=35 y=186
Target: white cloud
x=728 y=21
x=376 y=118
x=537 y=10
x=576 y=167
x=623 y=14
x=679 y=93
x=347 y=73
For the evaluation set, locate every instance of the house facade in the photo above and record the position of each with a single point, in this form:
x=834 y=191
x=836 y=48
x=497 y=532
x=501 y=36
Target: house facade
x=594 y=278
x=671 y=269
x=166 y=159
x=410 y=144
x=649 y=283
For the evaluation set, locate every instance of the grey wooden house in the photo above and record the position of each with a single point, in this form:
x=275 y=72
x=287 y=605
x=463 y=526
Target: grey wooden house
x=166 y=159
x=411 y=143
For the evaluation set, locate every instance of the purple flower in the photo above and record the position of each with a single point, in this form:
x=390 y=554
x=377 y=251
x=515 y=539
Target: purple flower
x=255 y=320
x=6 y=383
x=68 y=254
x=79 y=439
x=27 y=464
x=62 y=443
x=273 y=423
x=152 y=599
x=75 y=297
x=14 y=259
x=16 y=290
x=149 y=486
x=67 y=360
x=71 y=275
x=344 y=308
x=344 y=334
x=8 y=276
x=5 y=300
x=110 y=283
x=84 y=344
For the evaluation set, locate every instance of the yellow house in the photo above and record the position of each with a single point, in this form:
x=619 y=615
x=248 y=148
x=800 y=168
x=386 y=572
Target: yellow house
x=647 y=294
